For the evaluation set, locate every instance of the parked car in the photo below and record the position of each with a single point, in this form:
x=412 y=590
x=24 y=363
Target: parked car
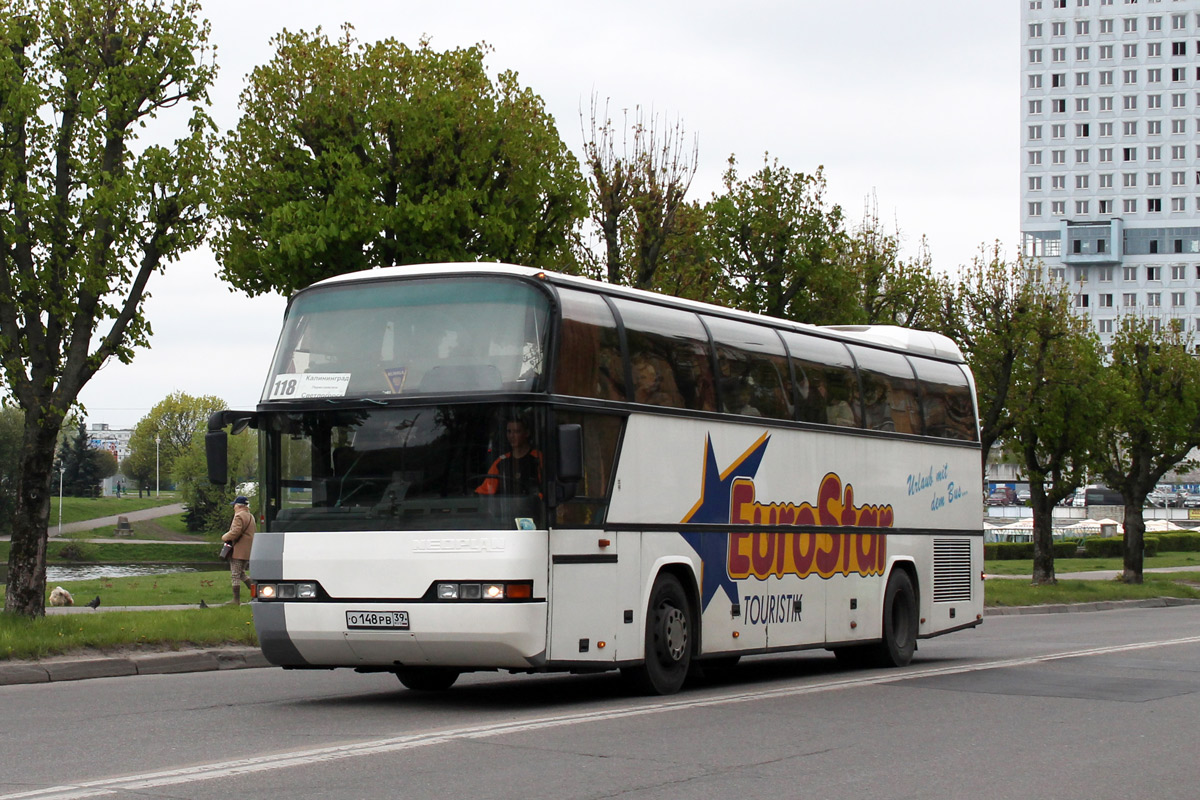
x=1024 y=496
x=1001 y=496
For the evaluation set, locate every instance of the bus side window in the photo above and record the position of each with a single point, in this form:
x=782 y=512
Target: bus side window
x=669 y=356
x=753 y=369
x=946 y=402
x=828 y=388
x=601 y=433
x=589 y=354
x=889 y=391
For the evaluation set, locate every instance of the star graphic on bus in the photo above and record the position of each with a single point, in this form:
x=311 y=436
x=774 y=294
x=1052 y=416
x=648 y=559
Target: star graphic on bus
x=713 y=508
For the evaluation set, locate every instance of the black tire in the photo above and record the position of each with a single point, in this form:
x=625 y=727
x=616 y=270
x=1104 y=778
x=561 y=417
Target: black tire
x=427 y=679
x=899 y=622
x=669 y=639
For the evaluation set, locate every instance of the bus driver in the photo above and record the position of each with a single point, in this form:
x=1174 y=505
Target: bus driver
x=519 y=471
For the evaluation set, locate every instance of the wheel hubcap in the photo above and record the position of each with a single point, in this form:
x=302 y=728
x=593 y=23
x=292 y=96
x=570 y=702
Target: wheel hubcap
x=675 y=633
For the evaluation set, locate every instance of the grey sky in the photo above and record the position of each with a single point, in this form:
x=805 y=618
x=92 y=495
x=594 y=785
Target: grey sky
x=914 y=103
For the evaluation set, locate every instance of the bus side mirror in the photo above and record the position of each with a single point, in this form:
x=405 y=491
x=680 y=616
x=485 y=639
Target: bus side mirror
x=570 y=453
x=216 y=450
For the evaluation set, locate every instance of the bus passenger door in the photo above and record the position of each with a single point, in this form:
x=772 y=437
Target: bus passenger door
x=584 y=617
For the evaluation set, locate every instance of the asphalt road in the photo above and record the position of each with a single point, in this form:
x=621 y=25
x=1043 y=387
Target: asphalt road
x=1095 y=706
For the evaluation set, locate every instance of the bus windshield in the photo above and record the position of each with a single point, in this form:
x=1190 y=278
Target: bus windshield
x=411 y=337
x=443 y=467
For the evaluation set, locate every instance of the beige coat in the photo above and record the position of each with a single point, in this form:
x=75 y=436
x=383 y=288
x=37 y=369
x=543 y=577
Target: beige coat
x=241 y=532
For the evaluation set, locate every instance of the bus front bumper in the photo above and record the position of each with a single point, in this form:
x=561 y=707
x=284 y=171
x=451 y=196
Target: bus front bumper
x=458 y=635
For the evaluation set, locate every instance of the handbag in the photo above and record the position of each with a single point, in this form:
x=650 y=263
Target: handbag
x=226 y=551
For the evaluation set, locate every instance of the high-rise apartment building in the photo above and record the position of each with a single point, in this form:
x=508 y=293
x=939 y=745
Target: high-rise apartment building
x=1110 y=154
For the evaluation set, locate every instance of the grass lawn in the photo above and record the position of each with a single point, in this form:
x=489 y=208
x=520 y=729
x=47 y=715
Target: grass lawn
x=1014 y=592
x=21 y=637
x=78 y=509
x=169 y=528
x=1061 y=565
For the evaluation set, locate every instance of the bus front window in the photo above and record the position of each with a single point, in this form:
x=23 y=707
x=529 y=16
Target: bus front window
x=452 y=467
x=411 y=337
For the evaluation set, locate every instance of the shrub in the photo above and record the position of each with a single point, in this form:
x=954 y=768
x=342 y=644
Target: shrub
x=1185 y=541
x=1114 y=546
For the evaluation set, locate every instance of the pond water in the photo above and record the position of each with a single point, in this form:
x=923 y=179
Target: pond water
x=83 y=572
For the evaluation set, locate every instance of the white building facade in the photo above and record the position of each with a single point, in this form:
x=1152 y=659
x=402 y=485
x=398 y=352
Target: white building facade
x=1110 y=154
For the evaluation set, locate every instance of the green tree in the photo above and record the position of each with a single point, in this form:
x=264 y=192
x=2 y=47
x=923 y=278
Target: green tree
x=780 y=244
x=80 y=466
x=87 y=212
x=1151 y=420
x=635 y=196
x=985 y=312
x=1054 y=406
x=160 y=437
x=351 y=156
x=892 y=290
x=208 y=506
x=10 y=458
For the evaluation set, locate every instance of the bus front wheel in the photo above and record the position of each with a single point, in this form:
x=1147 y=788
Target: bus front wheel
x=668 y=639
x=427 y=679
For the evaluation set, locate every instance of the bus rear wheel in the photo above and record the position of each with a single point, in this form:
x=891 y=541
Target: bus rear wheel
x=427 y=679
x=899 y=622
x=668 y=639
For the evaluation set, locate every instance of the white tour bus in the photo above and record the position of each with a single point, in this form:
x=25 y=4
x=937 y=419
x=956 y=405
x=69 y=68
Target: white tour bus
x=487 y=467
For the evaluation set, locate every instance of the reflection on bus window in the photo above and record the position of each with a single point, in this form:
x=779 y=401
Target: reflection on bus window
x=946 y=401
x=411 y=337
x=668 y=351
x=589 y=354
x=752 y=369
x=601 y=434
x=413 y=468
x=889 y=391
x=827 y=389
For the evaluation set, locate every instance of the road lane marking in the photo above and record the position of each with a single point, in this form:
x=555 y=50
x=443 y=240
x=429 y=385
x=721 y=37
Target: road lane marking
x=392 y=744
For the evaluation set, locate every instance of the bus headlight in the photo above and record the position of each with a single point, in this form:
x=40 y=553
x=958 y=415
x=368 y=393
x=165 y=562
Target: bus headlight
x=498 y=590
x=286 y=590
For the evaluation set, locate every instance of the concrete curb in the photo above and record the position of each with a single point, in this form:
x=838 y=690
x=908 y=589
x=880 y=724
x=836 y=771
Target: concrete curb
x=1104 y=605
x=75 y=669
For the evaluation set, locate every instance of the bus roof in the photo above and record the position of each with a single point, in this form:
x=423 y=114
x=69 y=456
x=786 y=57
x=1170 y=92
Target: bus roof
x=908 y=340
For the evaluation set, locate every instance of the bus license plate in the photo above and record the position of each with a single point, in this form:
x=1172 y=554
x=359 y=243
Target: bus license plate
x=378 y=620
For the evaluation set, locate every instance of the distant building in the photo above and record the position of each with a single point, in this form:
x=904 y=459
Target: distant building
x=1110 y=154
x=115 y=441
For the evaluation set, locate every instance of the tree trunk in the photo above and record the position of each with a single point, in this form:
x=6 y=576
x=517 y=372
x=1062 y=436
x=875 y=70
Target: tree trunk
x=1135 y=536
x=1043 y=538
x=25 y=593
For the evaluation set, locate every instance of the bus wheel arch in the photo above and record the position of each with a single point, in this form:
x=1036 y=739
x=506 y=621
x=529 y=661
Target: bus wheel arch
x=670 y=633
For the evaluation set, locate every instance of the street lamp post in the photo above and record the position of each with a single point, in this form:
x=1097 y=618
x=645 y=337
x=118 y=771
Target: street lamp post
x=157 y=492
x=60 y=496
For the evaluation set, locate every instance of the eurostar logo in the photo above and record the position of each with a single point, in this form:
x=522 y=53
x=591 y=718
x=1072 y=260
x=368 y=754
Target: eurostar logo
x=713 y=507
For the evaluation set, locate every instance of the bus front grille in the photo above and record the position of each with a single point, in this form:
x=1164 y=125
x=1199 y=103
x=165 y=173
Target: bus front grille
x=951 y=570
